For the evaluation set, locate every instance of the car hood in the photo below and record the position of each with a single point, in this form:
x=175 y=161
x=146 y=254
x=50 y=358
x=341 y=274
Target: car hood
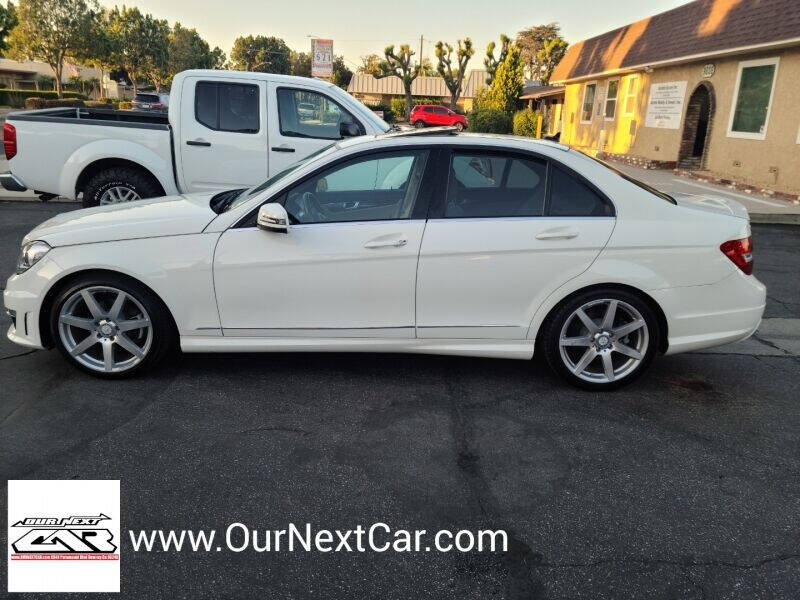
x=711 y=203
x=155 y=217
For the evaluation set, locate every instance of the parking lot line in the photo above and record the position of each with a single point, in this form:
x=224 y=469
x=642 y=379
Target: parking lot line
x=734 y=194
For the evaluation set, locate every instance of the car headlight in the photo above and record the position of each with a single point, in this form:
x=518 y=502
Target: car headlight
x=30 y=254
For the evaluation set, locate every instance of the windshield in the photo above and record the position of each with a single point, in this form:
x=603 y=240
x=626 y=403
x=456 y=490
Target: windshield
x=246 y=194
x=634 y=181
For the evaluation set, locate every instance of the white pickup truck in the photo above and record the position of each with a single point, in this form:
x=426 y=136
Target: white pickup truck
x=224 y=129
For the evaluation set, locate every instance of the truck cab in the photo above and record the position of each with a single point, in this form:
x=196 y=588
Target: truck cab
x=223 y=129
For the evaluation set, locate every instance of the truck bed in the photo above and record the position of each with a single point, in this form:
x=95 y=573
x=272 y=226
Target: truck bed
x=55 y=145
x=96 y=116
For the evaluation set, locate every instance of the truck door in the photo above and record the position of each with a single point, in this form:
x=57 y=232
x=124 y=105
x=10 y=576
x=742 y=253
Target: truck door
x=307 y=121
x=223 y=134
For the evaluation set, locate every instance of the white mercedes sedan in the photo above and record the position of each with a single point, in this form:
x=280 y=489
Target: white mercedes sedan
x=428 y=242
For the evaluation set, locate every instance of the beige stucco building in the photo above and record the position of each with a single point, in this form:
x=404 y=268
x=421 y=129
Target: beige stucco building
x=712 y=85
x=371 y=90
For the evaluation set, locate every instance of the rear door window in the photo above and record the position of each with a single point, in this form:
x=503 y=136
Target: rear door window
x=227 y=106
x=489 y=185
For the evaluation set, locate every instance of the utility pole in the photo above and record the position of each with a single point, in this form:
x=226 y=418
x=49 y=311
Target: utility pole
x=420 y=55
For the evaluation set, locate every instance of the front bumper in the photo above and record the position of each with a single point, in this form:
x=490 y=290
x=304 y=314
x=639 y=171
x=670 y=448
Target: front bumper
x=23 y=298
x=705 y=316
x=11 y=182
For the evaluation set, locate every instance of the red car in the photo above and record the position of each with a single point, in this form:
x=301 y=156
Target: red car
x=432 y=115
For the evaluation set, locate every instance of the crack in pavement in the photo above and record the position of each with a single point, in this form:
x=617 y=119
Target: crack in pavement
x=676 y=563
x=18 y=355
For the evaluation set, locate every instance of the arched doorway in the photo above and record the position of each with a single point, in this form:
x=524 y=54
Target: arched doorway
x=697 y=128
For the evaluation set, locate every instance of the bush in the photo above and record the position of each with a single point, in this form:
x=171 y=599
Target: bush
x=36 y=103
x=98 y=103
x=16 y=98
x=388 y=111
x=125 y=106
x=489 y=120
x=525 y=122
x=398 y=107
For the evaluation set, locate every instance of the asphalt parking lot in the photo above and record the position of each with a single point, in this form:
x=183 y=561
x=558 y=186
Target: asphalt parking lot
x=684 y=485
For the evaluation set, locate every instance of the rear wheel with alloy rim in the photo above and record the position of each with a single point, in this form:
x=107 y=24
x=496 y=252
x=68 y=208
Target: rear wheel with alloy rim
x=110 y=327
x=602 y=339
x=419 y=124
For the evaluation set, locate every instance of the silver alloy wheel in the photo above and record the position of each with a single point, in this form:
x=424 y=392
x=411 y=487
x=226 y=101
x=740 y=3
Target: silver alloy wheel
x=604 y=340
x=117 y=194
x=105 y=329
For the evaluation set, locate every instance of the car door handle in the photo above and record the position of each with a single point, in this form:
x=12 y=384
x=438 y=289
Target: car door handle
x=386 y=243
x=282 y=149
x=560 y=233
x=197 y=143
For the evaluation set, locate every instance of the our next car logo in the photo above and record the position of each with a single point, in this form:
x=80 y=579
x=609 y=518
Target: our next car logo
x=63 y=535
x=66 y=538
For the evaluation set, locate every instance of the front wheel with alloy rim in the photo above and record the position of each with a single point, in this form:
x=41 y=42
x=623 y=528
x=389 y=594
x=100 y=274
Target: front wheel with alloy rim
x=602 y=339
x=110 y=326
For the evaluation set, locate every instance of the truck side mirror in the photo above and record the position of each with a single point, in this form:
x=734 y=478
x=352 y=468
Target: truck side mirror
x=348 y=130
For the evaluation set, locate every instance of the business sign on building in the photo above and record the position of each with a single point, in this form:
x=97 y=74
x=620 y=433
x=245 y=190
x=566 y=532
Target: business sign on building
x=321 y=58
x=665 y=106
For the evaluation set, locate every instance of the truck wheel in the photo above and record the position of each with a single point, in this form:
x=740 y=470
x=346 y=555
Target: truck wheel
x=119 y=184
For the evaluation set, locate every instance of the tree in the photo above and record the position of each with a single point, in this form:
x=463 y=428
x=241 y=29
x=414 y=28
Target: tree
x=103 y=50
x=341 y=75
x=454 y=77
x=53 y=31
x=300 y=64
x=157 y=38
x=490 y=62
x=370 y=64
x=8 y=20
x=549 y=56
x=187 y=50
x=219 y=59
x=260 y=53
x=140 y=45
x=399 y=64
x=530 y=41
x=508 y=81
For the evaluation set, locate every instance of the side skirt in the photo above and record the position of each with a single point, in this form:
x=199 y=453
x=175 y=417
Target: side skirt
x=517 y=349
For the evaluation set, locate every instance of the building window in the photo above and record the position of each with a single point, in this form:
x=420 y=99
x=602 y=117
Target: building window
x=752 y=98
x=588 y=102
x=630 y=96
x=611 y=99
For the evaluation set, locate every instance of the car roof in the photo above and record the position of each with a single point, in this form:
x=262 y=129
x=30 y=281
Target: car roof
x=450 y=136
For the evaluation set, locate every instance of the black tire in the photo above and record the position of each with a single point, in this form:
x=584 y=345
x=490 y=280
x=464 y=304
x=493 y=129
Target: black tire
x=164 y=335
x=551 y=334
x=419 y=124
x=131 y=178
x=460 y=126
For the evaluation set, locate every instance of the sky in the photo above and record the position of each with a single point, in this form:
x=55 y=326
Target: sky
x=360 y=27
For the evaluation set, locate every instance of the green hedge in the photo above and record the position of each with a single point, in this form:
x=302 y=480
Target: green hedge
x=489 y=120
x=36 y=103
x=16 y=98
x=388 y=111
x=525 y=122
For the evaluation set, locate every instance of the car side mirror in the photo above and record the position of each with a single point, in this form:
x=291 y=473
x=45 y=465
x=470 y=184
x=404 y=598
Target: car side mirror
x=273 y=217
x=349 y=130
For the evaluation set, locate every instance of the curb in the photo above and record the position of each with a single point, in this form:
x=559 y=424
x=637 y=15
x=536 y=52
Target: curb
x=775 y=219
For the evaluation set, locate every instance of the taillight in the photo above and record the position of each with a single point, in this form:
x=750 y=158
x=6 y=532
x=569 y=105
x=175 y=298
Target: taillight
x=9 y=140
x=741 y=253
